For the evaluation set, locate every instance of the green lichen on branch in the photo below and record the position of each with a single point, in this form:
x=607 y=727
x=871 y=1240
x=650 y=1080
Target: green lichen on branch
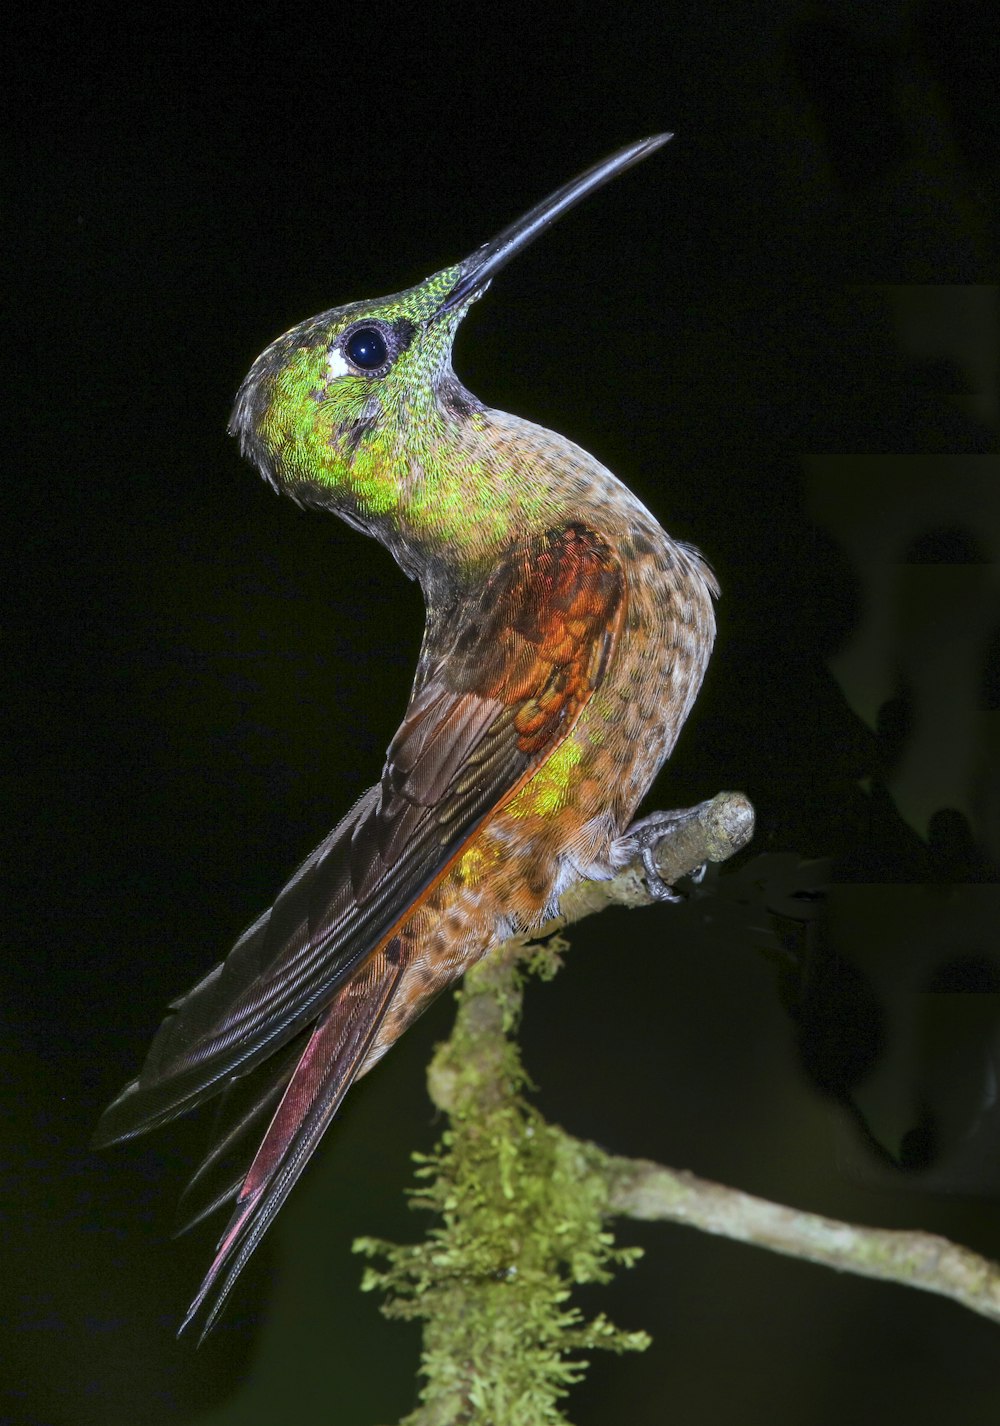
x=520 y=1220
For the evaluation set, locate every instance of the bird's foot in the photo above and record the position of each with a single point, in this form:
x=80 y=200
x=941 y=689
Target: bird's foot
x=643 y=839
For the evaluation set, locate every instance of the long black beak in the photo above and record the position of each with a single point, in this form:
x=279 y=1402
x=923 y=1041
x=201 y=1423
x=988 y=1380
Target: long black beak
x=480 y=269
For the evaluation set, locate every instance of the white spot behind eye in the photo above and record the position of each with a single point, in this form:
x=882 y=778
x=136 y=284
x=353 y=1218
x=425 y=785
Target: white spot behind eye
x=336 y=364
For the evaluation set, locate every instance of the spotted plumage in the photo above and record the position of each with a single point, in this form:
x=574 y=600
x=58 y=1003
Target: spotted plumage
x=566 y=640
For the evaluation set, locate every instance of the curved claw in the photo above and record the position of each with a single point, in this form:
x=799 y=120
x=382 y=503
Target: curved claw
x=657 y=887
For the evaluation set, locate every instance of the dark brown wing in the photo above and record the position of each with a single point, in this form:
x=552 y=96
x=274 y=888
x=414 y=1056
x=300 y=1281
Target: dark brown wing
x=507 y=685
x=505 y=689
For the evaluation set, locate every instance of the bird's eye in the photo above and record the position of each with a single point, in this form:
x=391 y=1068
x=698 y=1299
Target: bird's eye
x=366 y=348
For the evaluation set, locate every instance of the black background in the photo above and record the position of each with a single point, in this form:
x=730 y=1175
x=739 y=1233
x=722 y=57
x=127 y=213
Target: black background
x=779 y=331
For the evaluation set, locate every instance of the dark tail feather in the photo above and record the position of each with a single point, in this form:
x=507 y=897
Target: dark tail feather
x=245 y=1109
x=332 y=1058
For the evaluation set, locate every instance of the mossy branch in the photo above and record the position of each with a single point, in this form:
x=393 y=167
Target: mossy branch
x=522 y=1208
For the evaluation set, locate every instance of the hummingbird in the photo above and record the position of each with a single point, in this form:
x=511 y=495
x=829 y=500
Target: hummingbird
x=566 y=638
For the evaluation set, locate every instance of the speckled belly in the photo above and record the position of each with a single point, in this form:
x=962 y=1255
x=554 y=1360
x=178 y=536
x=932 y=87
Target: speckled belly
x=558 y=826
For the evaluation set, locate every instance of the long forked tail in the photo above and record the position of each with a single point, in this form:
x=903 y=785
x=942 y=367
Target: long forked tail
x=334 y=1054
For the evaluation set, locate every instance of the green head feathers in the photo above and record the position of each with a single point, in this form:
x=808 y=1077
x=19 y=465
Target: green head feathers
x=324 y=409
x=359 y=410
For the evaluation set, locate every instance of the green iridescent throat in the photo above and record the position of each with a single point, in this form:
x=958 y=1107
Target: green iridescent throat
x=409 y=447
